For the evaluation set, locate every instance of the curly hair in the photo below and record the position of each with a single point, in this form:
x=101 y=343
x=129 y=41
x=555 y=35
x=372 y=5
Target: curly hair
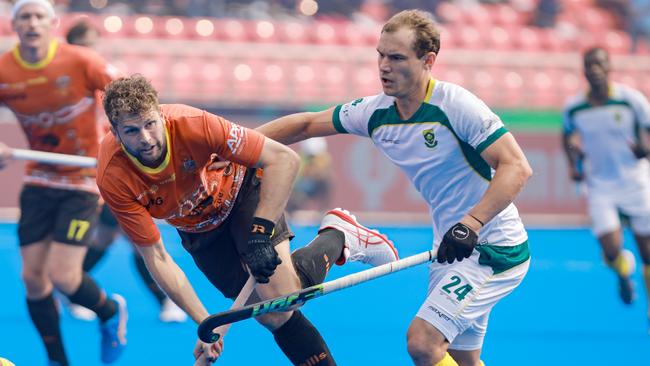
x=129 y=96
x=427 y=37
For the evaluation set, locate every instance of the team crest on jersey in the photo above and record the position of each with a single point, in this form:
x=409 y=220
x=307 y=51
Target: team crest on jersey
x=189 y=165
x=429 y=138
x=62 y=82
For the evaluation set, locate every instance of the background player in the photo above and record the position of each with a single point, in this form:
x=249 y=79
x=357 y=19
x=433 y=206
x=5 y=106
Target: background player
x=51 y=90
x=606 y=126
x=466 y=166
x=160 y=161
x=84 y=34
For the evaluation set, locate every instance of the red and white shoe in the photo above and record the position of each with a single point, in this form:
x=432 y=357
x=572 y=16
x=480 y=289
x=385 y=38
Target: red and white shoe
x=361 y=244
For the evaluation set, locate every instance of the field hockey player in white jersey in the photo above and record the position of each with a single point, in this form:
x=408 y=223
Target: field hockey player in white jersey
x=465 y=165
x=606 y=126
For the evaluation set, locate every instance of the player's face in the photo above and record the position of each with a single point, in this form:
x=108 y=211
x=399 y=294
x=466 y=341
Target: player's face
x=143 y=136
x=33 y=25
x=597 y=68
x=401 y=71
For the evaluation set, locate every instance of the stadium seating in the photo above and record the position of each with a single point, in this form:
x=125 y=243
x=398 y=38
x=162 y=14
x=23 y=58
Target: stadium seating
x=305 y=61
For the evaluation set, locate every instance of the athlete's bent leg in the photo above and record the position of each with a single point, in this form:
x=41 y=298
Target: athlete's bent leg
x=426 y=345
x=295 y=335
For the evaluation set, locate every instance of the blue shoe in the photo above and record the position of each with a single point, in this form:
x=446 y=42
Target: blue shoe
x=114 y=332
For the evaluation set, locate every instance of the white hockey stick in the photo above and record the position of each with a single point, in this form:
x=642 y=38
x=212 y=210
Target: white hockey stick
x=53 y=158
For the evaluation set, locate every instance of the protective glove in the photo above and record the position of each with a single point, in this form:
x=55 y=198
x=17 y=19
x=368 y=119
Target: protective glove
x=457 y=244
x=260 y=256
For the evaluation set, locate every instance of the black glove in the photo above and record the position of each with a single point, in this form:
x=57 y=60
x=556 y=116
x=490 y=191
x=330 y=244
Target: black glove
x=260 y=256
x=639 y=151
x=458 y=243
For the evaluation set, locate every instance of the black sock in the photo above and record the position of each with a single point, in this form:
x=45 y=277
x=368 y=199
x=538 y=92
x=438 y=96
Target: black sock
x=148 y=280
x=301 y=342
x=90 y=296
x=313 y=261
x=45 y=317
x=93 y=256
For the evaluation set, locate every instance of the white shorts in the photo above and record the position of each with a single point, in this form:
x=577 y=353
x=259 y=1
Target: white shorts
x=461 y=296
x=605 y=205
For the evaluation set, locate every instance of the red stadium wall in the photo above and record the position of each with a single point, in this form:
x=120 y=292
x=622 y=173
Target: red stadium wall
x=365 y=181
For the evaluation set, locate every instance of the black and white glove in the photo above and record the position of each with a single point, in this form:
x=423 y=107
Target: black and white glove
x=457 y=244
x=260 y=256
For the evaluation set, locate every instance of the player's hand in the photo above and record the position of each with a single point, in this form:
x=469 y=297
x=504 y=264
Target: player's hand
x=5 y=155
x=639 y=151
x=216 y=164
x=205 y=353
x=576 y=175
x=457 y=244
x=260 y=256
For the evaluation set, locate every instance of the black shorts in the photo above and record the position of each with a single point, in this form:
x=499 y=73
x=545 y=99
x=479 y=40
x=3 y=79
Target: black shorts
x=106 y=217
x=68 y=216
x=217 y=252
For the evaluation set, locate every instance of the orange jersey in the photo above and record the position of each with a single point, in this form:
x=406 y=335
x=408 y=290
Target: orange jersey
x=181 y=190
x=55 y=102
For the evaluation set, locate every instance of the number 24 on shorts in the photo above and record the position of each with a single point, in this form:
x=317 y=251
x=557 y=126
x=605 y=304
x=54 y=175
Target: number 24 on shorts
x=455 y=287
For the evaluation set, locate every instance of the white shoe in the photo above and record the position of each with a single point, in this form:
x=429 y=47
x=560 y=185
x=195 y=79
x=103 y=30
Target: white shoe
x=171 y=313
x=361 y=244
x=81 y=313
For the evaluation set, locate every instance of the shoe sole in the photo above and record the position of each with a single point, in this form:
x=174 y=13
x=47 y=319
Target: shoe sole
x=349 y=219
x=121 y=328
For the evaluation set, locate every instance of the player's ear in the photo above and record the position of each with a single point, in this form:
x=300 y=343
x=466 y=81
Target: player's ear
x=429 y=59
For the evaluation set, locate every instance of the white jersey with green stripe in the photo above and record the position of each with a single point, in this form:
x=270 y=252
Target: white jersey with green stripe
x=607 y=132
x=439 y=149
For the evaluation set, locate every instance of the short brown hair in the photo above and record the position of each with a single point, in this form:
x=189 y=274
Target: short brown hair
x=79 y=30
x=427 y=37
x=129 y=96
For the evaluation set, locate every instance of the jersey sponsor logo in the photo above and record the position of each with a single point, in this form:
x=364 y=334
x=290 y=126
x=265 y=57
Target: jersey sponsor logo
x=390 y=141
x=235 y=138
x=59 y=117
x=158 y=201
x=24 y=84
x=429 y=138
x=439 y=313
x=354 y=104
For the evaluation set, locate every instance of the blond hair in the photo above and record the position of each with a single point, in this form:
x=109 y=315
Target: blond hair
x=129 y=96
x=427 y=37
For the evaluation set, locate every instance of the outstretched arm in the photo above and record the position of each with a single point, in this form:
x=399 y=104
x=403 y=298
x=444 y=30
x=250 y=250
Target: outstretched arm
x=299 y=126
x=172 y=280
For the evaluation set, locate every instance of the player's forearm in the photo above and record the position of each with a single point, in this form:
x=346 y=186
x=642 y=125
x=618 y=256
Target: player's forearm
x=279 y=176
x=508 y=181
x=174 y=283
x=288 y=129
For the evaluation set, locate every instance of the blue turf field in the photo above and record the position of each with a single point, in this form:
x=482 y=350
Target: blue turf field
x=566 y=312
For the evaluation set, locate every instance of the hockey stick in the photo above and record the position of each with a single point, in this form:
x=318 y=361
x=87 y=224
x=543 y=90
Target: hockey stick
x=284 y=303
x=53 y=158
x=221 y=330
